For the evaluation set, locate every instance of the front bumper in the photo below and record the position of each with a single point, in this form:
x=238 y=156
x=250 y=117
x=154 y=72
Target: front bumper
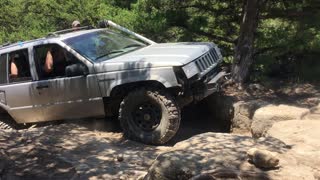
x=195 y=89
x=209 y=85
x=214 y=84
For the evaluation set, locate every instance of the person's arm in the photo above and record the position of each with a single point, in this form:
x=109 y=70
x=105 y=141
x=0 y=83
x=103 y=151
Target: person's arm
x=48 y=65
x=13 y=70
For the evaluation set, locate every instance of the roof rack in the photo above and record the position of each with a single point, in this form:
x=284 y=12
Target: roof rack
x=108 y=23
x=5 y=44
x=57 y=33
x=19 y=43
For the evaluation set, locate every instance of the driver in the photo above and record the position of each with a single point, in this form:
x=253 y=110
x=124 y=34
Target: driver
x=55 y=62
x=13 y=66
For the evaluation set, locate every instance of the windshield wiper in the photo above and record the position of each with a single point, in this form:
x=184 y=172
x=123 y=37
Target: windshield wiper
x=111 y=52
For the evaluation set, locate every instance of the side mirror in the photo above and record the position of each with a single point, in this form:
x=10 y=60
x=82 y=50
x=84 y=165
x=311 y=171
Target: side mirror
x=76 y=70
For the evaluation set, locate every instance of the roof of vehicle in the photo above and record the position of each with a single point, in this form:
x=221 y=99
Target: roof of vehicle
x=57 y=36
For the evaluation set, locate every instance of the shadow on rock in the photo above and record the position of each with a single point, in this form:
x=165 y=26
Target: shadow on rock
x=207 y=152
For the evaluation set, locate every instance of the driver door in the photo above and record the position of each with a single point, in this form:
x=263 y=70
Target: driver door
x=63 y=97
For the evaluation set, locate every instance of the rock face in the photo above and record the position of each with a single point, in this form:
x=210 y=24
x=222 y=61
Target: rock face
x=243 y=112
x=266 y=116
x=210 y=152
x=221 y=109
x=315 y=113
x=224 y=156
x=232 y=115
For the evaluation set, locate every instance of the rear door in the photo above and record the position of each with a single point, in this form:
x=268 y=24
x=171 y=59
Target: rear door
x=16 y=93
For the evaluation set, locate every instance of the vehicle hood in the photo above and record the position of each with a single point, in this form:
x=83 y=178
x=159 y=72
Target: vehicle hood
x=156 y=55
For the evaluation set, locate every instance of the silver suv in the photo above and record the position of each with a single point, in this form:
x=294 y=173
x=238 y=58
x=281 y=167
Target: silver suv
x=98 y=72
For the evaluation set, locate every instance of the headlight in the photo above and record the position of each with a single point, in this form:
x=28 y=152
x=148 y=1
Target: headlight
x=190 y=69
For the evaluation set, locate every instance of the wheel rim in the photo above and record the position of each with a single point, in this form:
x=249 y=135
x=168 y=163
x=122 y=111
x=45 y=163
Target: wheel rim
x=147 y=116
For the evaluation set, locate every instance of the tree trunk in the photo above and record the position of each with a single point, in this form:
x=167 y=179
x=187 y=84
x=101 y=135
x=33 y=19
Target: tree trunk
x=244 y=50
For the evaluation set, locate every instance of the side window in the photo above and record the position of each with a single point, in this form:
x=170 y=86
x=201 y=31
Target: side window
x=52 y=60
x=18 y=67
x=3 y=69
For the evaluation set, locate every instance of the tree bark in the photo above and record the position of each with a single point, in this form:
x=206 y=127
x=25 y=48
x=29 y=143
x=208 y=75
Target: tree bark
x=244 y=50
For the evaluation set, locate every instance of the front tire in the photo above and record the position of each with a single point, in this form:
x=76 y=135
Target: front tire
x=149 y=116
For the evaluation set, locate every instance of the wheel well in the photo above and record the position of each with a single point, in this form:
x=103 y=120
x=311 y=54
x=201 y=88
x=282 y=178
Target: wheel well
x=7 y=119
x=125 y=88
x=112 y=103
x=3 y=112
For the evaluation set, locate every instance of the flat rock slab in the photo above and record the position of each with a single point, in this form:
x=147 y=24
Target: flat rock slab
x=211 y=151
x=280 y=113
x=304 y=139
x=264 y=117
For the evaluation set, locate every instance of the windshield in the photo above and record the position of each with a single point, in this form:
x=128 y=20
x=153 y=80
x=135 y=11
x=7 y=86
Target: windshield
x=103 y=45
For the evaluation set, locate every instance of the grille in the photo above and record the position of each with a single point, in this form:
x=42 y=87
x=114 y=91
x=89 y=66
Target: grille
x=207 y=60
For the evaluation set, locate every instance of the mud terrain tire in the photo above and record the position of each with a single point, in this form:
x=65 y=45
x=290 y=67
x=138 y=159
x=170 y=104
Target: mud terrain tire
x=5 y=124
x=149 y=116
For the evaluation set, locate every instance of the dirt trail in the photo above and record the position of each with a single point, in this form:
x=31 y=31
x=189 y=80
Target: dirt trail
x=88 y=149
x=73 y=151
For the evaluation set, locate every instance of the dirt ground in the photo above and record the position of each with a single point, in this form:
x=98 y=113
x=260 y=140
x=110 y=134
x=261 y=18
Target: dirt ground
x=87 y=149
x=95 y=149
x=72 y=150
x=278 y=92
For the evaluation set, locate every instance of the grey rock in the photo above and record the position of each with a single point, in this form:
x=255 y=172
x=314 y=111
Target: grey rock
x=280 y=113
x=206 y=152
x=228 y=173
x=120 y=158
x=256 y=87
x=316 y=175
x=263 y=158
x=243 y=113
x=315 y=113
x=259 y=128
x=265 y=117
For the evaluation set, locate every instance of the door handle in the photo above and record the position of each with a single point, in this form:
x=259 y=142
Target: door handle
x=42 y=86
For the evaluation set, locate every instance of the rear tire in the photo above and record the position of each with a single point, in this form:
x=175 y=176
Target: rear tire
x=6 y=124
x=149 y=116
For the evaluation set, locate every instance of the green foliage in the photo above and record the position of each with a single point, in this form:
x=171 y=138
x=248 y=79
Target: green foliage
x=288 y=33
x=22 y=20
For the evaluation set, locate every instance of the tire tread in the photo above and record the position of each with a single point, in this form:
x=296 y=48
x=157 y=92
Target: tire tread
x=173 y=115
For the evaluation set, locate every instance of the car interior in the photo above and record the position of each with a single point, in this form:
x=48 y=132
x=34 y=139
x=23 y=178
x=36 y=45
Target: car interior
x=66 y=59
x=20 y=60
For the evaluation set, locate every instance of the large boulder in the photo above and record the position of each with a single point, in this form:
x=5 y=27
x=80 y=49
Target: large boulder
x=315 y=113
x=243 y=113
x=210 y=152
x=266 y=116
x=230 y=114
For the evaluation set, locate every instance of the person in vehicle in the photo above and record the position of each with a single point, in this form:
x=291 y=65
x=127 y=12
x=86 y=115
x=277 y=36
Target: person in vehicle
x=75 y=25
x=13 y=67
x=19 y=65
x=55 y=62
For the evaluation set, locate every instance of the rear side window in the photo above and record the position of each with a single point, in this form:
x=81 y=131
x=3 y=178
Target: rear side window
x=3 y=69
x=19 y=68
